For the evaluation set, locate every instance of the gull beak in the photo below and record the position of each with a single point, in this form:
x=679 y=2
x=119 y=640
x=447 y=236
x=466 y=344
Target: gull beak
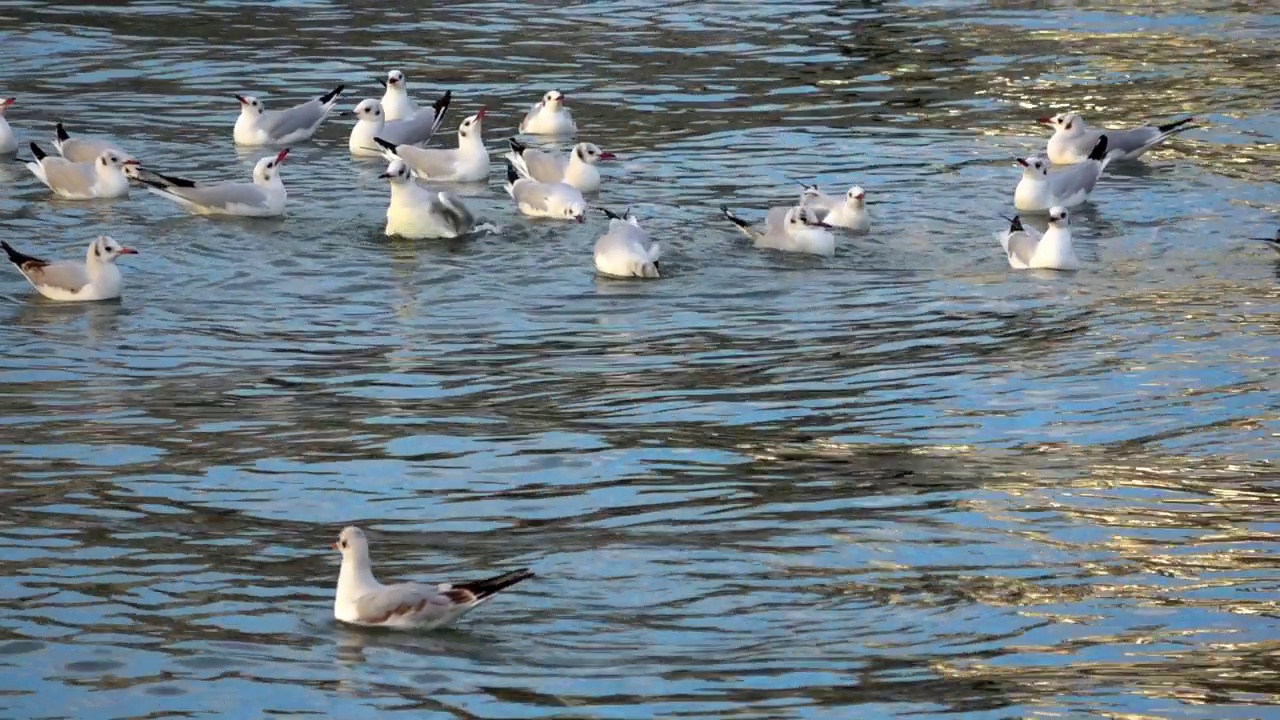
x=7 y=102
x=241 y=99
x=606 y=155
x=130 y=161
x=480 y=114
x=1020 y=162
x=384 y=176
x=128 y=251
x=1045 y=120
x=860 y=196
x=582 y=218
x=334 y=545
x=280 y=156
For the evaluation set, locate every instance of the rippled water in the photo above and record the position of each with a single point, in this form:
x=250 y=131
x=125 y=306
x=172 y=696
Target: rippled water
x=904 y=481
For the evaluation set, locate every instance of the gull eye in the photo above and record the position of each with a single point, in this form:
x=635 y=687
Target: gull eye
x=344 y=544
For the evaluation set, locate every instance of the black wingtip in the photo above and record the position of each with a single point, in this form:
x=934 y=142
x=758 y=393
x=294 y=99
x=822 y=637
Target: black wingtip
x=517 y=147
x=491 y=586
x=387 y=145
x=512 y=173
x=382 y=81
x=611 y=214
x=724 y=209
x=168 y=180
x=1015 y=224
x=1099 y=150
x=40 y=154
x=328 y=97
x=18 y=258
x=443 y=103
x=1170 y=127
x=61 y=132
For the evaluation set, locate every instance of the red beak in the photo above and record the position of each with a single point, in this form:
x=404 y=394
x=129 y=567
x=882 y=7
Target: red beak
x=131 y=161
x=480 y=114
x=280 y=156
x=604 y=155
x=1021 y=162
x=334 y=546
x=860 y=195
x=128 y=251
x=1045 y=120
x=7 y=102
x=241 y=99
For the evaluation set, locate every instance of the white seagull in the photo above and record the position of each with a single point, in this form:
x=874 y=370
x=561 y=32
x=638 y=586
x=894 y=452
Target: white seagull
x=395 y=100
x=469 y=163
x=362 y=600
x=370 y=124
x=416 y=212
x=8 y=141
x=97 y=278
x=84 y=149
x=549 y=117
x=1073 y=140
x=626 y=251
x=1028 y=248
x=101 y=178
x=794 y=229
x=264 y=197
x=539 y=199
x=578 y=169
x=847 y=212
x=1039 y=189
x=259 y=126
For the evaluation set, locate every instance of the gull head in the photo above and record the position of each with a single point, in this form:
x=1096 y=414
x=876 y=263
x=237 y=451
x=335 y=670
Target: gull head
x=352 y=544
x=471 y=125
x=1058 y=217
x=395 y=79
x=856 y=197
x=268 y=168
x=575 y=211
x=803 y=218
x=110 y=159
x=397 y=172
x=106 y=249
x=251 y=105
x=1067 y=122
x=5 y=103
x=553 y=99
x=590 y=154
x=368 y=109
x=1033 y=165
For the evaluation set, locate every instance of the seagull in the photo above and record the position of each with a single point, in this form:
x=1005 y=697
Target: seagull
x=362 y=600
x=1027 y=248
x=1073 y=139
x=416 y=212
x=102 y=178
x=850 y=213
x=578 y=170
x=416 y=130
x=1039 y=189
x=395 y=101
x=625 y=251
x=84 y=149
x=1272 y=242
x=469 y=163
x=549 y=117
x=264 y=197
x=97 y=278
x=8 y=141
x=794 y=229
x=539 y=199
x=260 y=126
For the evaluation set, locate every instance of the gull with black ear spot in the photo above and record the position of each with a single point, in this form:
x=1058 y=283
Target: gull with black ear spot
x=578 y=169
x=256 y=125
x=396 y=104
x=1040 y=188
x=549 y=117
x=104 y=177
x=549 y=200
x=1073 y=140
x=468 y=163
x=82 y=148
x=849 y=212
x=791 y=229
x=416 y=212
x=361 y=600
x=625 y=250
x=1028 y=248
x=97 y=278
x=264 y=197
x=371 y=123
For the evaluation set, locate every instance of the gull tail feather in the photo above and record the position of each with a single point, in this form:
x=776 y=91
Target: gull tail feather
x=487 y=588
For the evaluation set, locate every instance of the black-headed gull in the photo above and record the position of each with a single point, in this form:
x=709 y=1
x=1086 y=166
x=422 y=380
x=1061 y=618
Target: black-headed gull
x=793 y=229
x=416 y=212
x=259 y=126
x=468 y=163
x=84 y=149
x=8 y=141
x=416 y=130
x=101 y=178
x=264 y=197
x=549 y=117
x=539 y=199
x=362 y=600
x=396 y=104
x=1039 y=189
x=848 y=212
x=626 y=251
x=1073 y=140
x=577 y=169
x=1052 y=250
x=97 y=278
